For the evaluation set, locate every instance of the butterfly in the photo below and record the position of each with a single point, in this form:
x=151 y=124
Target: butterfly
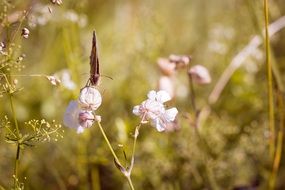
x=94 y=63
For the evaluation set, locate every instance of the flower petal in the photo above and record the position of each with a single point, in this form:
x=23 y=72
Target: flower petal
x=159 y=125
x=200 y=74
x=170 y=114
x=86 y=119
x=70 y=118
x=162 y=96
x=151 y=95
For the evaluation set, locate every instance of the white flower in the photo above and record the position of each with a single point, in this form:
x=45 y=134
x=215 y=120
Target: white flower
x=90 y=98
x=200 y=74
x=149 y=109
x=160 y=96
x=165 y=118
x=77 y=118
x=153 y=109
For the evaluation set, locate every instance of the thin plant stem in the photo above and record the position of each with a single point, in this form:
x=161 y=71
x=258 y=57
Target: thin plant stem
x=108 y=142
x=279 y=146
x=240 y=58
x=126 y=173
x=192 y=95
x=137 y=130
x=269 y=85
x=130 y=182
x=210 y=176
x=134 y=148
x=17 y=164
x=14 y=115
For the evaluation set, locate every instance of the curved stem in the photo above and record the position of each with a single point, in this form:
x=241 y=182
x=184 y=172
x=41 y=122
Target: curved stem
x=240 y=58
x=126 y=173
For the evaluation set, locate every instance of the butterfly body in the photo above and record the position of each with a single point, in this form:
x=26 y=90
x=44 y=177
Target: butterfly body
x=94 y=63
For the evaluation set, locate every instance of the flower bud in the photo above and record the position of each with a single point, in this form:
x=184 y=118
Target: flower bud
x=90 y=98
x=200 y=74
x=180 y=60
x=86 y=119
x=166 y=67
x=53 y=80
x=2 y=46
x=57 y=2
x=25 y=33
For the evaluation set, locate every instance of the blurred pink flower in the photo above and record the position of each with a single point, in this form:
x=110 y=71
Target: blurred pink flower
x=180 y=61
x=77 y=118
x=166 y=67
x=90 y=98
x=200 y=74
x=166 y=83
x=153 y=110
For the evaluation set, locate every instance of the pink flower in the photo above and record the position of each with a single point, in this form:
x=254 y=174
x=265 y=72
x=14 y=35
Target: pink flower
x=77 y=118
x=200 y=74
x=153 y=110
x=167 y=68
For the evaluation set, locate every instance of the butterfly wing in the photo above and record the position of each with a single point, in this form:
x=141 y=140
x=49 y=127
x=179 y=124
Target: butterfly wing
x=94 y=62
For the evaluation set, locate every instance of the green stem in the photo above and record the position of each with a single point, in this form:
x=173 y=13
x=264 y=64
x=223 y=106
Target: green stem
x=18 y=145
x=16 y=165
x=108 y=142
x=278 y=153
x=137 y=132
x=127 y=173
x=14 y=115
x=269 y=85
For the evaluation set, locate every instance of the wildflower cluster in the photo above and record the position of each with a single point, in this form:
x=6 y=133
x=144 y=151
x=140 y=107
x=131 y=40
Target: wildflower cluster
x=79 y=113
x=39 y=131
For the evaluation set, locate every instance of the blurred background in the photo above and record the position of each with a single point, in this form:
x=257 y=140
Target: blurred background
x=228 y=151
